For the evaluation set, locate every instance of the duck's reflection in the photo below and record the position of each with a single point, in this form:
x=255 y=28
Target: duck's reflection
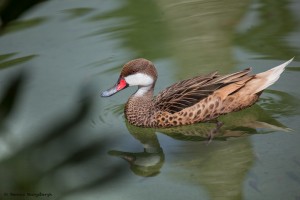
x=220 y=166
x=149 y=162
x=146 y=163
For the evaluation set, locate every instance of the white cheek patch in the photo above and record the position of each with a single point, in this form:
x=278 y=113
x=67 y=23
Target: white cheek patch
x=139 y=79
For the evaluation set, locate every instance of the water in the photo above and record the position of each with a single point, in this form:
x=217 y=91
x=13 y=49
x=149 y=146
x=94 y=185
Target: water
x=60 y=138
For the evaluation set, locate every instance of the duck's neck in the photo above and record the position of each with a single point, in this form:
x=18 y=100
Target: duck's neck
x=145 y=91
x=139 y=108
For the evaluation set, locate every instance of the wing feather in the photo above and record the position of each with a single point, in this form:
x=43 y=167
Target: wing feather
x=188 y=92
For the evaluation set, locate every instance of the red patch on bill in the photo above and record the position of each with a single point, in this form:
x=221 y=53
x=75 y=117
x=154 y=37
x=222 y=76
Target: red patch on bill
x=122 y=84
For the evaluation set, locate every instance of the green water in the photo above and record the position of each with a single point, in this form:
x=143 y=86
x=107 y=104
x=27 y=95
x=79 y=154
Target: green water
x=59 y=138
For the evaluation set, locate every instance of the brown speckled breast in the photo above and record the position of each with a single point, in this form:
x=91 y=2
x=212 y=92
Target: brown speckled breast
x=140 y=111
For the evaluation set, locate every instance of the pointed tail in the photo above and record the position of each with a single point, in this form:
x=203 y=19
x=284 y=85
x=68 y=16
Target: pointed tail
x=269 y=77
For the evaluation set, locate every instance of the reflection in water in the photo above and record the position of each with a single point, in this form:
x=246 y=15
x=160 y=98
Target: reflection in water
x=220 y=166
x=148 y=162
x=202 y=34
x=57 y=160
x=143 y=31
x=268 y=36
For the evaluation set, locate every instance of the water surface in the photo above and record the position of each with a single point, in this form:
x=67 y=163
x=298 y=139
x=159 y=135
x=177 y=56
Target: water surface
x=59 y=137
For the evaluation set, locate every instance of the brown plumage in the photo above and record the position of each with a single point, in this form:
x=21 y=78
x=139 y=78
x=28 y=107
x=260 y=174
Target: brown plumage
x=197 y=99
x=188 y=92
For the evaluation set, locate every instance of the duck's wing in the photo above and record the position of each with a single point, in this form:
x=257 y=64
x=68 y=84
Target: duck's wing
x=188 y=92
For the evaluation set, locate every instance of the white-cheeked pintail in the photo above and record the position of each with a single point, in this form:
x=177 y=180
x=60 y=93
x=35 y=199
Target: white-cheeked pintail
x=198 y=99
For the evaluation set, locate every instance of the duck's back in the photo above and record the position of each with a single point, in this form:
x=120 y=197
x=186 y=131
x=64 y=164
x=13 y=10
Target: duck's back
x=203 y=98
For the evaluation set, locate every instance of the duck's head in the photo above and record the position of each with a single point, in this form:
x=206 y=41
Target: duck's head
x=139 y=72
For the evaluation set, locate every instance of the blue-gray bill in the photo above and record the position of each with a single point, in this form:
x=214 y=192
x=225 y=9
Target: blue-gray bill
x=109 y=92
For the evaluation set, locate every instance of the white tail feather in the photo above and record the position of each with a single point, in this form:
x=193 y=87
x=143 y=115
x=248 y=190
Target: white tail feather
x=271 y=76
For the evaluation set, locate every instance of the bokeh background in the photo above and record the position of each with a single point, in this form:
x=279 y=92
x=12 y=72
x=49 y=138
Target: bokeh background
x=60 y=140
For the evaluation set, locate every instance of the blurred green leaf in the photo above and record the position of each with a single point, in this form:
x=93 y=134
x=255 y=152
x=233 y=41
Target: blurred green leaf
x=23 y=24
x=15 y=61
x=6 y=56
x=77 y=12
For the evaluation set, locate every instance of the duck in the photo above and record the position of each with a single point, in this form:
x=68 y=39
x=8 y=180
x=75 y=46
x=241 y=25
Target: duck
x=202 y=98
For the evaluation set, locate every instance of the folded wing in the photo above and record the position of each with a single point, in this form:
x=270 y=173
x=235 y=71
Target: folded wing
x=189 y=92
